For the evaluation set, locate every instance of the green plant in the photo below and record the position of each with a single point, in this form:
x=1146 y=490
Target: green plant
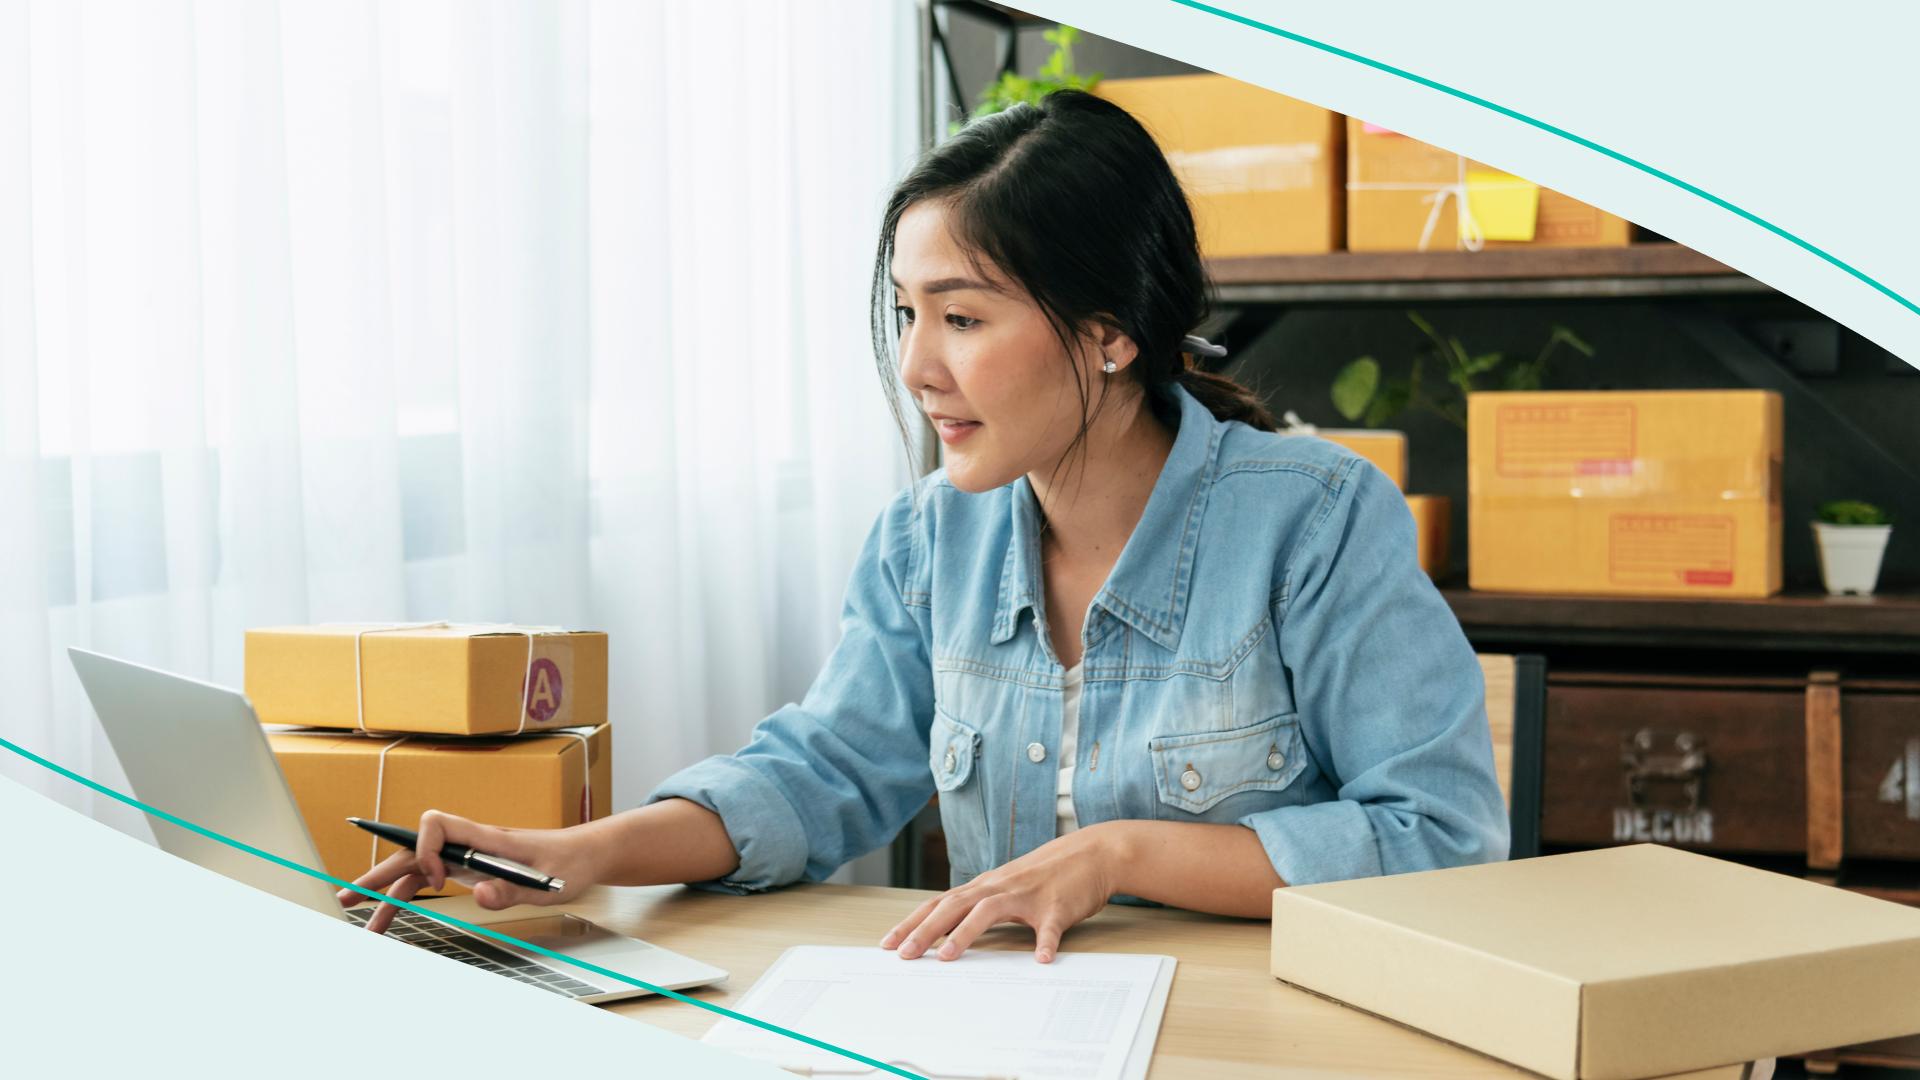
x=1852 y=512
x=1358 y=391
x=1057 y=73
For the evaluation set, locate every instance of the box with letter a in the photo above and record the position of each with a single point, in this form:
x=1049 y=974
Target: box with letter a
x=1661 y=493
x=450 y=679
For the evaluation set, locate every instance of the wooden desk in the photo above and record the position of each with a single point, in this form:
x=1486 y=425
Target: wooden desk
x=1226 y=1018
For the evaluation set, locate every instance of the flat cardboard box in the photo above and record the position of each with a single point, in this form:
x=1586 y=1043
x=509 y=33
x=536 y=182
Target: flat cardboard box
x=1613 y=964
x=452 y=680
x=1392 y=185
x=1261 y=170
x=1645 y=492
x=521 y=781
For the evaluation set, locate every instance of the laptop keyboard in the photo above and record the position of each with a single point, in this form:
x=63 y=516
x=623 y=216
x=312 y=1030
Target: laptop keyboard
x=476 y=951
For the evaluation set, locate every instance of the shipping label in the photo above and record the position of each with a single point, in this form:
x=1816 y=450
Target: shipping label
x=1566 y=219
x=1564 y=440
x=1671 y=549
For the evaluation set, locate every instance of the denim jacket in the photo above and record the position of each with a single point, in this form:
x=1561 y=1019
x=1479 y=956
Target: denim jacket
x=1266 y=652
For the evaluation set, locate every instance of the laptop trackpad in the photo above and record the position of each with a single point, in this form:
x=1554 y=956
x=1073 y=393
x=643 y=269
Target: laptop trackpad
x=570 y=935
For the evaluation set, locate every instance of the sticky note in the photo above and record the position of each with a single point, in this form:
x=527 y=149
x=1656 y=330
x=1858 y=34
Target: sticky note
x=1503 y=205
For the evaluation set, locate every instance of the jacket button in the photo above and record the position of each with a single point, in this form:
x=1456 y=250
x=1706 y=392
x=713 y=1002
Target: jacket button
x=947 y=767
x=1276 y=761
x=1190 y=779
x=1036 y=753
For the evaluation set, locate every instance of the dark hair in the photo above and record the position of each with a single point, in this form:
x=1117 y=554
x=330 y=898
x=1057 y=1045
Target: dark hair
x=1072 y=200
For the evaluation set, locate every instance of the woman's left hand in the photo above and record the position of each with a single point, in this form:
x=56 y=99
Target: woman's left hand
x=1050 y=889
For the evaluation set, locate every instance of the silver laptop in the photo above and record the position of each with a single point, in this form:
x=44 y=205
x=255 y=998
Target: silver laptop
x=197 y=751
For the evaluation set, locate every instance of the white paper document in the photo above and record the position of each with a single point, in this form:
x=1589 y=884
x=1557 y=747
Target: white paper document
x=1086 y=1016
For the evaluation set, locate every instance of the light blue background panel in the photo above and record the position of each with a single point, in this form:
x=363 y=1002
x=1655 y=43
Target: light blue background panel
x=1794 y=115
x=123 y=960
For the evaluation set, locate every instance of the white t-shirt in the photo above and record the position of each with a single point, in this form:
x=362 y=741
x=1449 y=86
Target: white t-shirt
x=1069 y=737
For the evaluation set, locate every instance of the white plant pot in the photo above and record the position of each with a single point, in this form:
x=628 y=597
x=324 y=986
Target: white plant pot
x=1850 y=556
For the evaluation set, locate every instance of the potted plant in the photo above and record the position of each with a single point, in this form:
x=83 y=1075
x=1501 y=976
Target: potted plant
x=1011 y=89
x=1359 y=394
x=1853 y=537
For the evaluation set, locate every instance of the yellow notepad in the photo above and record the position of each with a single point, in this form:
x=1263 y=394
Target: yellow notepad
x=1505 y=206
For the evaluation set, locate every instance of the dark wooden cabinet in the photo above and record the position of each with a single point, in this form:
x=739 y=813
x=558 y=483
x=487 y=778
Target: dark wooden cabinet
x=1784 y=731
x=1694 y=763
x=1720 y=764
x=1881 y=752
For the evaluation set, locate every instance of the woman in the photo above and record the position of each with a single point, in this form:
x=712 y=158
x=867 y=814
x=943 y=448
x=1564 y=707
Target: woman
x=1139 y=645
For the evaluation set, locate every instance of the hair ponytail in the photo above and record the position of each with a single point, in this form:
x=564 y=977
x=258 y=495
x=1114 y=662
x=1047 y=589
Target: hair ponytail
x=1072 y=199
x=1226 y=399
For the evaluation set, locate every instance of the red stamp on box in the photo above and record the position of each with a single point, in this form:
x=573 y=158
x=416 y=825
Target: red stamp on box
x=543 y=690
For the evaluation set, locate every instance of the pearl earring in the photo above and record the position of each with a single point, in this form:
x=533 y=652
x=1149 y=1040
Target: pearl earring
x=1110 y=367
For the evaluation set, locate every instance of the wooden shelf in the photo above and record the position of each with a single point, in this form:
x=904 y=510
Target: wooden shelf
x=1803 y=621
x=1654 y=269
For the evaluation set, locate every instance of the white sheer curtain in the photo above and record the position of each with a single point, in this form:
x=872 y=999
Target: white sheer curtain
x=552 y=312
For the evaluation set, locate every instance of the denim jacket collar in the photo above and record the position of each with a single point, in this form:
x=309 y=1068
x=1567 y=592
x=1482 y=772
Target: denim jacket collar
x=1147 y=590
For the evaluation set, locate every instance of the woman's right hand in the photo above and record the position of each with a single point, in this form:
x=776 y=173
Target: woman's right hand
x=556 y=852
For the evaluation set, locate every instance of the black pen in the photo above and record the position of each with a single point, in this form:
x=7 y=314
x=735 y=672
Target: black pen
x=461 y=855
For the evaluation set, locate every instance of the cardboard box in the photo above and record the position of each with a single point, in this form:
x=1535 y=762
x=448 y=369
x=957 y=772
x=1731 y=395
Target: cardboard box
x=1262 y=170
x=1613 y=964
x=1395 y=201
x=1386 y=449
x=1432 y=514
x=1655 y=493
x=1433 y=533
x=454 y=680
x=521 y=781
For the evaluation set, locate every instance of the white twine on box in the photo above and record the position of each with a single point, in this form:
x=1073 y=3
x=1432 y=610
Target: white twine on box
x=526 y=691
x=379 y=789
x=526 y=678
x=586 y=783
x=1471 y=236
x=380 y=775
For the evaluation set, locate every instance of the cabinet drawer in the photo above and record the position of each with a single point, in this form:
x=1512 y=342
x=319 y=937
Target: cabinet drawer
x=1880 y=751
x=1712 y=769
x=1724 y=767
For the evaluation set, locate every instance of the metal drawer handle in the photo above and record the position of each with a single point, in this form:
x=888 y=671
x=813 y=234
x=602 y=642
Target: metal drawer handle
x=1641 y=764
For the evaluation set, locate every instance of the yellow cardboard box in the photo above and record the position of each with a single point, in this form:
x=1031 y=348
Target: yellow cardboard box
x=522 y=782
x=1433 y=533
x=1403 y=195
x=454 y=680
x=1613 y=964
x=1386 y=449
x=1657 y=492
x=1432 y=514
x=1262 y=170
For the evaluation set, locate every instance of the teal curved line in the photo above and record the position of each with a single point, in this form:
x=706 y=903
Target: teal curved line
x=450 y=920
x=1562 y=132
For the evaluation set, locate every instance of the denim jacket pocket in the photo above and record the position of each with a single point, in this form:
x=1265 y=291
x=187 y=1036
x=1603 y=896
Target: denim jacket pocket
x=1194 y=772
x=952 y=750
